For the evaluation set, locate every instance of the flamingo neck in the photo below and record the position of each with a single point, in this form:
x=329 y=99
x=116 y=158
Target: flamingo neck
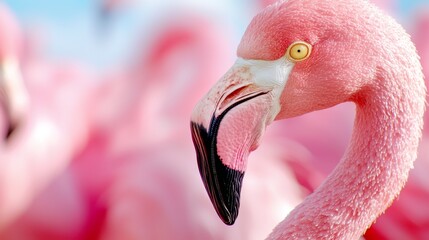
x=373 y=171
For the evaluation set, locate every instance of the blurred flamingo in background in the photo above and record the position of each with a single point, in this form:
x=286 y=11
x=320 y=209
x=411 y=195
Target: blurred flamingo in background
x=421 y=36
x=49 y=128
x=13 y=95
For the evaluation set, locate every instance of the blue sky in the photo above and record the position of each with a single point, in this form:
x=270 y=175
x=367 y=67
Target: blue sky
x=69 y=8
x=72 y=30
x=49 y=9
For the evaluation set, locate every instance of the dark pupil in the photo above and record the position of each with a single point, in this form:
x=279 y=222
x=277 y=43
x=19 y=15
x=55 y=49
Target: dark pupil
x=299 y=50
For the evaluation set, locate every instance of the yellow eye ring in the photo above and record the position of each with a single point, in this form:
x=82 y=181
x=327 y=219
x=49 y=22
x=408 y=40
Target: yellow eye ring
x=298 y=51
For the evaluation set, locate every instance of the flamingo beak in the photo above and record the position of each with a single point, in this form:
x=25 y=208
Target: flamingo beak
x=14 y=98
x=227 y=125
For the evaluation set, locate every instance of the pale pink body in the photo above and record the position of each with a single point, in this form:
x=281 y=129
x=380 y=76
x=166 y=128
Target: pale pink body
x=420 y=36
x=43 y=145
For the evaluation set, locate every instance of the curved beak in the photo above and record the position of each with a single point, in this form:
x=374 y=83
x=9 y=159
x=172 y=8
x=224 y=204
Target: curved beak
x=13 y=94
x=227 y=125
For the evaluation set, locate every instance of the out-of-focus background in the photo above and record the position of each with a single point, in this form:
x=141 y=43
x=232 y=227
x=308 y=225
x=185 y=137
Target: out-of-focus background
x=95 y=100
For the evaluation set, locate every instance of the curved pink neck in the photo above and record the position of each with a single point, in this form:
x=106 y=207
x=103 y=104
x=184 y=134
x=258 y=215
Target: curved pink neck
x=373 y=171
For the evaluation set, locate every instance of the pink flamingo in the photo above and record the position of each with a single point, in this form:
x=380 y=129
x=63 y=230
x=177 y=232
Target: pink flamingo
x=300 y=56
x=407 y=215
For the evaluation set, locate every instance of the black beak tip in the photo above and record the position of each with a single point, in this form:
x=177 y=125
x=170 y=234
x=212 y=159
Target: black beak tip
x=222 y=183
x=229 y=221
x=229 y=217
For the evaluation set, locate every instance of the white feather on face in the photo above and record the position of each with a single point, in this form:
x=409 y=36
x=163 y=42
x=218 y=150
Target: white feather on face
x=269 y=74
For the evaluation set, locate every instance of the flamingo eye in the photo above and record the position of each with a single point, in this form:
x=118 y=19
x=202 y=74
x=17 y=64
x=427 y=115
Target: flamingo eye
x=298 y=51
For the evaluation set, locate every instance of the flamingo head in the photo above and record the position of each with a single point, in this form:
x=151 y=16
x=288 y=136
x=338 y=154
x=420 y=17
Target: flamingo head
x=295 y=57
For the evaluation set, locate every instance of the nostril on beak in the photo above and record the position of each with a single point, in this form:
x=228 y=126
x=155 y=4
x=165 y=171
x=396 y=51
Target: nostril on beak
x=239 y=94
x=228 y=98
